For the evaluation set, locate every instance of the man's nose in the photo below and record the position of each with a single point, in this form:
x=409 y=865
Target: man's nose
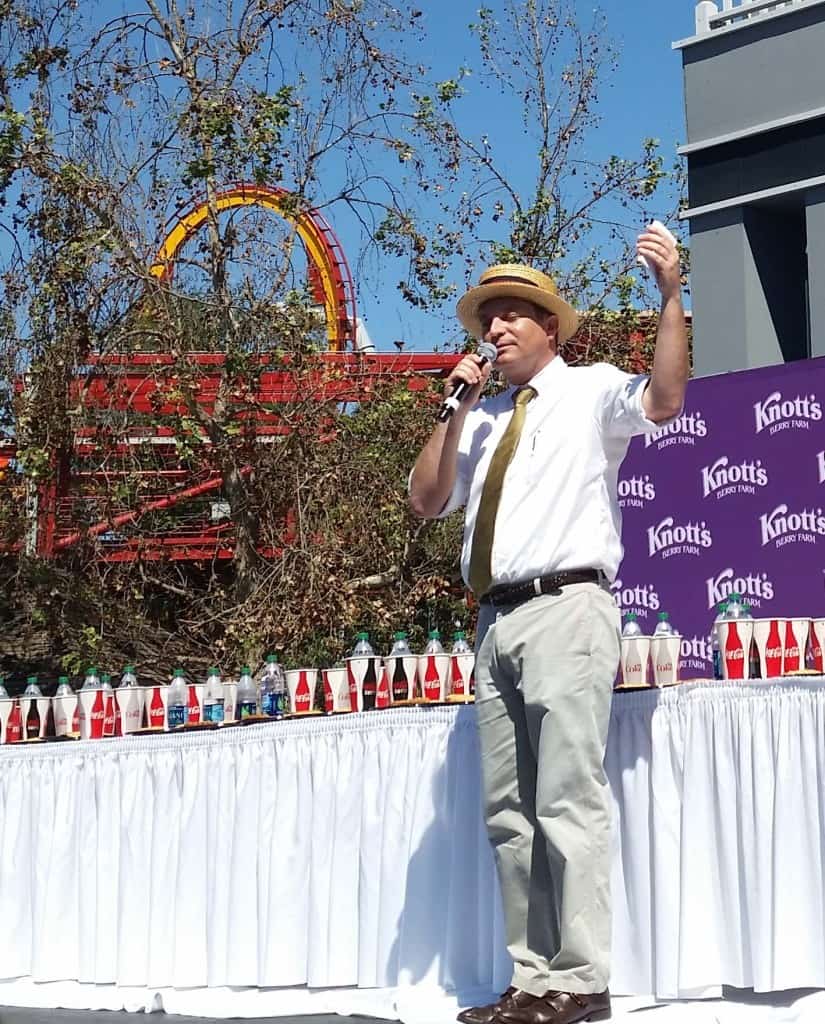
x=495 y=330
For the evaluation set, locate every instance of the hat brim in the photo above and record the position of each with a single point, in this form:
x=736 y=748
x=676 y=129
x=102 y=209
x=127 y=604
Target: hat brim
x=469 y=305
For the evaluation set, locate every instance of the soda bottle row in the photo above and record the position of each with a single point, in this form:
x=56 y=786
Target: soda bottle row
x=764 y=648
x=368 y=682
x=649 y=660
x=97 y=710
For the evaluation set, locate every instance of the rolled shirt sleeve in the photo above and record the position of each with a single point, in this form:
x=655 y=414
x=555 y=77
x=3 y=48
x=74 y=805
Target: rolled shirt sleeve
x=623 y=413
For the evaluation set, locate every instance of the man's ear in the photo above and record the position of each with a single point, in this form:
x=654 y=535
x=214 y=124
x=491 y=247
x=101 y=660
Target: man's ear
x=551 y=325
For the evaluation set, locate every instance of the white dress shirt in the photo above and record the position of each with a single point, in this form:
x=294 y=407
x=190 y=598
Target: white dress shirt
x=559 y=507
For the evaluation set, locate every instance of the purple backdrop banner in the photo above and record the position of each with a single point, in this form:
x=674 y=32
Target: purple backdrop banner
x=731 y=496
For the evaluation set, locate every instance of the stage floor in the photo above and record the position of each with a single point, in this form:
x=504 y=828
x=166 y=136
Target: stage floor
x=737 y=1007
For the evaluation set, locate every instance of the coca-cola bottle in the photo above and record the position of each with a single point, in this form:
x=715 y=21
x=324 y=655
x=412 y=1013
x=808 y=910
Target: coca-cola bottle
x=382 y=692
x=32 y=723
x=108 y=704
x=369 y=682
x=773 y=651
x=400 y=683
x=459 y=662
x=734 y=654
x=432 y=678
x=14 y=725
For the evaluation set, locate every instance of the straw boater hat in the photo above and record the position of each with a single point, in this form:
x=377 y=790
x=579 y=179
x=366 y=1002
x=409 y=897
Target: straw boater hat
x=515 y=279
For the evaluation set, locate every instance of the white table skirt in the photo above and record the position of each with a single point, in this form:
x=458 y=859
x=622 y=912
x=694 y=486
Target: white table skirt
x=348 y=855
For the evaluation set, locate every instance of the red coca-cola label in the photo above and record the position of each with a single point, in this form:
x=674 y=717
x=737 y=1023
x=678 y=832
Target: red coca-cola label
x=329 y=697
x=14 y=725
x=773 y=652
x=76 y=718
x=97 y=717
x=790 y=661
x=109 y=714
x=456 y=676
x=382 y=694
x=735 y=662
x=303 y=696
x=816 y=652
x=156 y=712
x=193 y=707
x=118 y=722
x=432 y=680
x=353 y=687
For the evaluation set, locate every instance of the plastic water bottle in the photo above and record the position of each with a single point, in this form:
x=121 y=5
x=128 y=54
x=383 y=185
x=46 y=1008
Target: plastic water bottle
x=273 y=689
x=213 y=698
x=32 y=689
x=4 y=693
x=460 y=645
x=400 y=647
x=716 y=653
x=92 y=680
x=177 y=710
x=247 y=695
x=64 y=687
x=631 y=625
x=109 y=716
x=128 y=677
x=663 y=626
x=734 y=606
x=363 y=647
x=434 y=645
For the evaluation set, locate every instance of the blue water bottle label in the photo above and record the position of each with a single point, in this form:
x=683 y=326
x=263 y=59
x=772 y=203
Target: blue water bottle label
x=248 y=708
x=269 y=705
x=176 y=716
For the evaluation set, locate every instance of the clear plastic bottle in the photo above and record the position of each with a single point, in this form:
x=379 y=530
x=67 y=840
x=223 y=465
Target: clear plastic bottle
x=247 y=695
x=177 y=709
x=434 y=645
x=400 y=647
x=4 y=693
x=274 y=700
x=64 y=687
x=128 y=677
x=734 y=606
x=92 y=680
x=32 y=689
x=213 y=697
x=716 y=653
x=631 y=625
x=460 y=645
x=663 y=626
x=363 y=647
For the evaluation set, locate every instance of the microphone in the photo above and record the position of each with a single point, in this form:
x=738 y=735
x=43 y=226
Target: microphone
x=488 y=352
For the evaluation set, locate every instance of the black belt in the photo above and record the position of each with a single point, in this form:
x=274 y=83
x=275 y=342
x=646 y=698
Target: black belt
x=516 y=593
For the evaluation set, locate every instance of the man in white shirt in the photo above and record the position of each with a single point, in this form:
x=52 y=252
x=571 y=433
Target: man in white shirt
x=536 y=469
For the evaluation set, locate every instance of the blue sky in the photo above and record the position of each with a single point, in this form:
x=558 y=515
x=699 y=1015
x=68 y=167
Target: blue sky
x=644 y=98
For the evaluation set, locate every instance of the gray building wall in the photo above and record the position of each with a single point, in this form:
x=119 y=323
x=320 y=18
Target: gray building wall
x=755 y=110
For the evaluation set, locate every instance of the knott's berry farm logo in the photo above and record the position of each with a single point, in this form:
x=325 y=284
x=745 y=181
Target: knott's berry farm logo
x=669 y=538
x=640 y=599
x=776 y=413
x=756 y=587
x=683 y=430
x=724 y=479
x=636 y=491
x=697 y=655
x=782 y=526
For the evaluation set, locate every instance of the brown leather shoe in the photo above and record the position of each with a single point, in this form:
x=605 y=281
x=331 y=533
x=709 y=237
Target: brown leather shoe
x=560 y=1008
x=513 y=999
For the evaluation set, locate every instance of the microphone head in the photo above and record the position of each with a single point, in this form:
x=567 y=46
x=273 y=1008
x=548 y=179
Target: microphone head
x=488 y=350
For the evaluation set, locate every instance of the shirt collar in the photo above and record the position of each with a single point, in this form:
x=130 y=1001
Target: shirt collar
x=545 y=380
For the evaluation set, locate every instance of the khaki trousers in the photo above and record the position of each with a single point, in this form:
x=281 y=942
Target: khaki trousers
x=544 y=677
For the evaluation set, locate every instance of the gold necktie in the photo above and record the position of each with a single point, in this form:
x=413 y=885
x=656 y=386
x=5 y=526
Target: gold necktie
x=485 y=526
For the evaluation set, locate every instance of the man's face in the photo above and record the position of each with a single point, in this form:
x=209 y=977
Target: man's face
x=524 y=336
